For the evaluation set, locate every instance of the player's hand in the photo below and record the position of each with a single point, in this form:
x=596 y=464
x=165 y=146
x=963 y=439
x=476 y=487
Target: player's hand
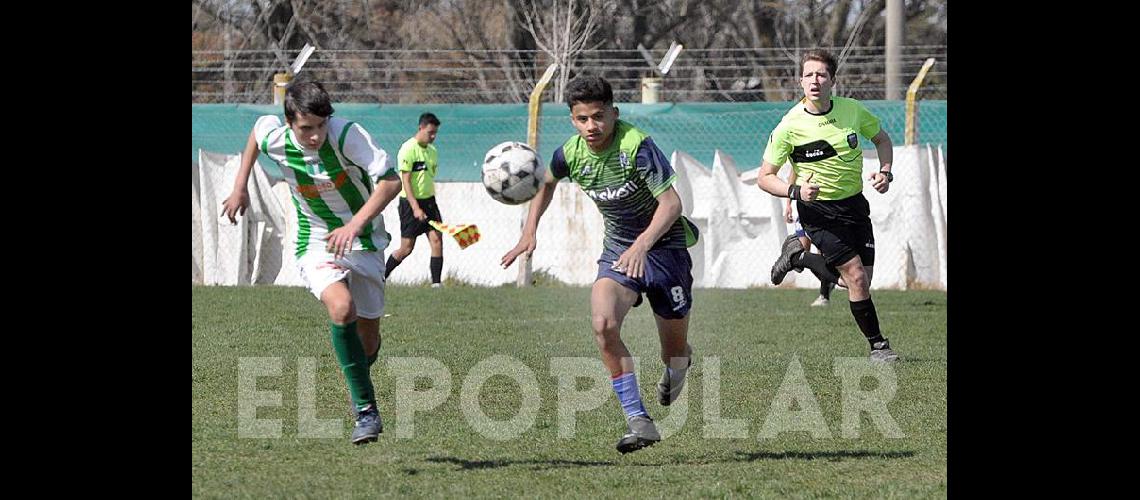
x=526 y=244
x=788 y=212
x=235 y=204
x=808 y=191
x=632 y=261
x=879 y=182
x=419 y=214
x=339 y=241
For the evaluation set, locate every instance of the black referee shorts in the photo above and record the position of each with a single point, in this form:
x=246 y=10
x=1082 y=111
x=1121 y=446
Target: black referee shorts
x=840 y=228
x=410 y=227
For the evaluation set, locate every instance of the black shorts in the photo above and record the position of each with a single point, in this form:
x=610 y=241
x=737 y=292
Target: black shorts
x=410 y=227
x=840 y=228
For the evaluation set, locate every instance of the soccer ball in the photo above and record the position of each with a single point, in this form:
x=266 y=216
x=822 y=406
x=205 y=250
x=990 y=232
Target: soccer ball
x=512 y=173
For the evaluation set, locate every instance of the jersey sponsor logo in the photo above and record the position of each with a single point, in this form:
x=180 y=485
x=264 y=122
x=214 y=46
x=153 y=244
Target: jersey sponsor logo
x=587 y=169
x=813 y=151
x=827 y=122
x=611 y=193
x=315 y=190
x=312 y=167
x=853 y=140
x=623 y=158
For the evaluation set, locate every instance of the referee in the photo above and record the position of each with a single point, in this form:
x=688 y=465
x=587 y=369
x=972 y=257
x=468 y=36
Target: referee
x=820 y=135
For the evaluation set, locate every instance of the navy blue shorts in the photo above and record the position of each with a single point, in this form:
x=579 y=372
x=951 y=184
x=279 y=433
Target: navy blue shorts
x=667 y=280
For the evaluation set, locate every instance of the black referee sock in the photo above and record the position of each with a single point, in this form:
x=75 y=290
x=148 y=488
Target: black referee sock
x=867 y=319
x=436 y=268
x=825 y=289
x=818 y=266
x=390 y=265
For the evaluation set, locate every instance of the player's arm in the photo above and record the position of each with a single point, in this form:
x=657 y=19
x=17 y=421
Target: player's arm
x=406 y=183
x=776 y=153
x=770 y=183
x=632 y=261
x=387 y=188
x=788 y=202
x=528 y=240
x=886 y=151
x=340 y=239
x=659 y=178
x=238 y=200
x=668 y=210
x=360 y=150
x=404 y=165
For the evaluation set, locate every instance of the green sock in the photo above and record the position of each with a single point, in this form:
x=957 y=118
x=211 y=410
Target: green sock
x=353 y=362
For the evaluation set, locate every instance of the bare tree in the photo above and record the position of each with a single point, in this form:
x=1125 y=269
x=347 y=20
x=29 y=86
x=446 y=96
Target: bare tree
x=495 y=55
x=493 y=50
x=562 y=31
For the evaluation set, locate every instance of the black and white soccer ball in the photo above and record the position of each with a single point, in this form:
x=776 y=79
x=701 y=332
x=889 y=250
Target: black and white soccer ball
x=512 y=173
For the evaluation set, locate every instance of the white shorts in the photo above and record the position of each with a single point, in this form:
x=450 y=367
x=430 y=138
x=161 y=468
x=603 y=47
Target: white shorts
x=365 y=273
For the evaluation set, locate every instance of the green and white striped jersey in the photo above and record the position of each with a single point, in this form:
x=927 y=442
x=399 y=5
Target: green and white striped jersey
x=328 y=185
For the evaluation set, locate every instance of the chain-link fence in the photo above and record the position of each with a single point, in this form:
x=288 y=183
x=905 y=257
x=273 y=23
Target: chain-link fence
x=508 y=76
x=468 y=131
x=744 y=221
x=741 y=229
x=696 y=116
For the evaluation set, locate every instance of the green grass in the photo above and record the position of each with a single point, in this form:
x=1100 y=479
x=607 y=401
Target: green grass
x=755 y=334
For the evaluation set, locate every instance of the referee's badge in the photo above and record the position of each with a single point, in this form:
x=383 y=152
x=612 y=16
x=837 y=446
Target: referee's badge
x=853 y=140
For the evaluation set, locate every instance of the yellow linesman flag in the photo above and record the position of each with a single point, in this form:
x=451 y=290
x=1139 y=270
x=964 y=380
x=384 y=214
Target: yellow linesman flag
x=465 y=234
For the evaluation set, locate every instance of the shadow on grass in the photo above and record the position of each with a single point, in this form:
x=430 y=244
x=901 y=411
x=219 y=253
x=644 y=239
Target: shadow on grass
x=493 y=464
x=830 y=456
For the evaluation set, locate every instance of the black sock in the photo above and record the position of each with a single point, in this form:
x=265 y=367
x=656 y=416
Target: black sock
x=390 y=265
x=867 y=319
x=825 y=288
x=818 y=265
x=436 y=268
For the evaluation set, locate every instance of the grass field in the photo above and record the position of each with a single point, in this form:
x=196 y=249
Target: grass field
x=755 y=335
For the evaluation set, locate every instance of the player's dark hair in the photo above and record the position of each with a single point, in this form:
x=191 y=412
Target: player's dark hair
x=589 y=88
x=309 y=98
x=428 y=119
